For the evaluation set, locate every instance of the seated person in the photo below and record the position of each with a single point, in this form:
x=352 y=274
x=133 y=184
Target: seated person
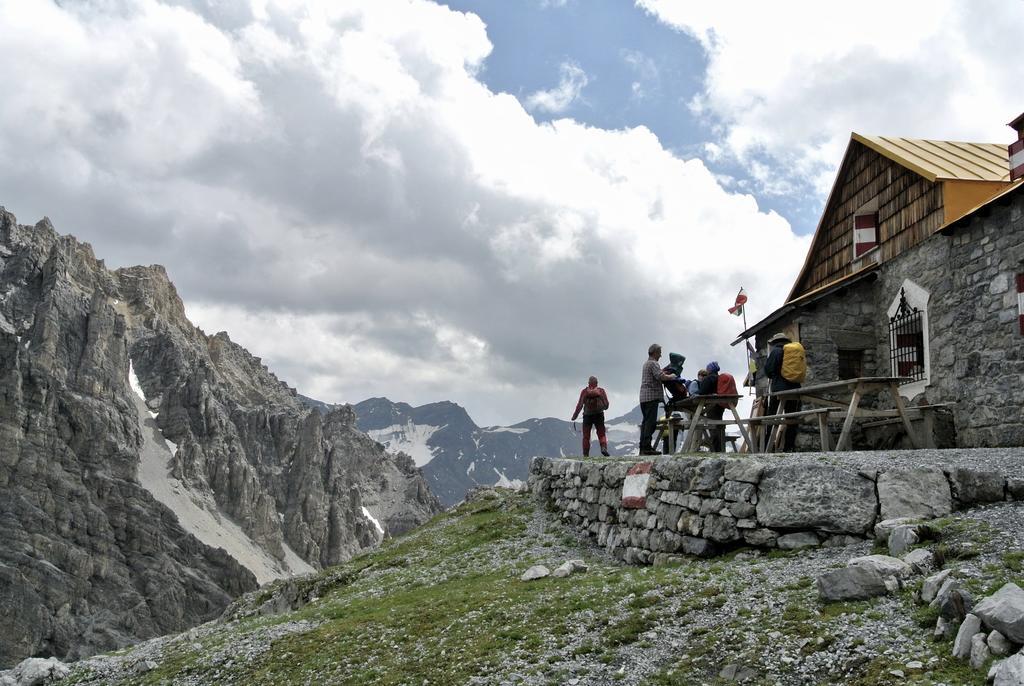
x=693 y=387
x=709 y=386
x=676 y=387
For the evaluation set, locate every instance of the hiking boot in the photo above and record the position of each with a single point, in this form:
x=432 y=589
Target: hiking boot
x=649 y=451
x=604 y=451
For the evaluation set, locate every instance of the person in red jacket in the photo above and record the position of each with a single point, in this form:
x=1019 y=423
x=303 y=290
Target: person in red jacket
x=593 y=401
x=717 y=382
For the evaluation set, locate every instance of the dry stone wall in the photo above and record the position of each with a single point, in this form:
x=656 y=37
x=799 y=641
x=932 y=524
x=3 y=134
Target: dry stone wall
x=651 y=512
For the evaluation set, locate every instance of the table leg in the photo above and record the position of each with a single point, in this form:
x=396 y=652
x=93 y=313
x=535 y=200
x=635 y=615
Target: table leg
x=894 y=389
x=845 y=437
x=928 y=427
x=826 y=439
x=692 y=433
x=743 y=429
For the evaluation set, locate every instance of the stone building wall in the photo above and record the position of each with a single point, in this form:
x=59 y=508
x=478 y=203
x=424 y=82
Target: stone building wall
x=976 y=351
x=702 y=507
x=986 y=367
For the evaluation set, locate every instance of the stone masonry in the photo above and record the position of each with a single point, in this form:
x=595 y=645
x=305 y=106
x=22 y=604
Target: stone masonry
x=706 y=506
x=976 y=349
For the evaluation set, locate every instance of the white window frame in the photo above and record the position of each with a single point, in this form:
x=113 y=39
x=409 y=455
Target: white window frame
x=916 y=297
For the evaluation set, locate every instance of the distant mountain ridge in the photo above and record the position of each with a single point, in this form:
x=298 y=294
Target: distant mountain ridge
x=455 y=454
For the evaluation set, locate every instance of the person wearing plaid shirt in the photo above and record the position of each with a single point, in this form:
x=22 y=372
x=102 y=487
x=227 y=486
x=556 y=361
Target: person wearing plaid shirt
x=651 y=394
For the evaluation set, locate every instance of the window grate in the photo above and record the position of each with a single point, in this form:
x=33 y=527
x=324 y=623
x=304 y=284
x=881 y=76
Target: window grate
x=851 y=363
x=906 y=341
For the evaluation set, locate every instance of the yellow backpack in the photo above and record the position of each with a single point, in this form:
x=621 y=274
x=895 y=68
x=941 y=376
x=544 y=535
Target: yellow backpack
x=794 y=362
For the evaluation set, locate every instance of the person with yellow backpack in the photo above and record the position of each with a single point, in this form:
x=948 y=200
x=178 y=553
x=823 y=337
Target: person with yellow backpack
x=786 y=369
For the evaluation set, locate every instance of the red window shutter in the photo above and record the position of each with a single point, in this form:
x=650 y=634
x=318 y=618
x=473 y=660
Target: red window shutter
x=865 y=233
x=1016 y=153
x=907 y=340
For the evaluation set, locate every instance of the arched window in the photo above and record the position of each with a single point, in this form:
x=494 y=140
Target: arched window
x=908 y=338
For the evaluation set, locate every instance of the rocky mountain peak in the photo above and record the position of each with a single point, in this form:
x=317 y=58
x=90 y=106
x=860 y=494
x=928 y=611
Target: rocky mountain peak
x=151 y=472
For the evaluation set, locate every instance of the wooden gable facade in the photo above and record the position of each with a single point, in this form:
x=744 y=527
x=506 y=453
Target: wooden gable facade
x=908 y=206
x=903 y=201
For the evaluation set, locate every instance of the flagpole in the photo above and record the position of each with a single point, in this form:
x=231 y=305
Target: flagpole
x=753 y=381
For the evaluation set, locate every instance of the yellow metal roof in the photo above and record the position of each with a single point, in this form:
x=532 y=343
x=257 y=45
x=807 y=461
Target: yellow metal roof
x=1013 y=188
x=944 y=159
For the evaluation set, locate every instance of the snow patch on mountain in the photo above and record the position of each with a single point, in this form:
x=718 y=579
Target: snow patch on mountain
x=373 y=520
x=504 y=429
x=133 y=380
x=409 y=438
x=505 y=482
x=197 y=513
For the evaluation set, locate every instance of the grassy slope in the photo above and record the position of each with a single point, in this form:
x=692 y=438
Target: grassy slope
x=444 y=604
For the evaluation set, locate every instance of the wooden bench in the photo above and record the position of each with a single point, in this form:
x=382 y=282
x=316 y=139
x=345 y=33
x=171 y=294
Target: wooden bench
x=787 y=418
x=927 y=418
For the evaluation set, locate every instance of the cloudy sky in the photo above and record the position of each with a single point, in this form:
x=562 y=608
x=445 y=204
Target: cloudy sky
x=482 y=201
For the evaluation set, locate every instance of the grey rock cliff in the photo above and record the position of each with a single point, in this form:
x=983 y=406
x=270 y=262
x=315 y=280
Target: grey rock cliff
x=89 y=559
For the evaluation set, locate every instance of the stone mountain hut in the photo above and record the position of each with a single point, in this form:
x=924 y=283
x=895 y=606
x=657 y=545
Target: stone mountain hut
x=916 y=270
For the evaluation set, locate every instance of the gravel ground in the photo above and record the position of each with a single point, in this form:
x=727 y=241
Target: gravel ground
x=145 y=657
x=746 y=629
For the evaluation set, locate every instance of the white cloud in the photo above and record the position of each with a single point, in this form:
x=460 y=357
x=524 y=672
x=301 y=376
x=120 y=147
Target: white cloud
x=333 y=185
x=788 y=83
x=571 y=83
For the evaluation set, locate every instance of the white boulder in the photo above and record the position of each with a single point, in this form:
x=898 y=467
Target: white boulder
x=979 y=651
x=569 y=567
x=35 y=671
x=1004 y=611
x=535 y=572
x=932 y=585
x=1008 y=672
x=962 y=643
x=998 y=645
x=884 y=565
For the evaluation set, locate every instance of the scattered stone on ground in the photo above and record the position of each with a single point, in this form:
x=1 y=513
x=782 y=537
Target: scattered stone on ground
x=569 y=567
x=35 y=671
x=1004 y=611
x=962 y=643
x=932 y=585
x=535 y=572
x=902 y=538
x=998 y=644
x=851 y=583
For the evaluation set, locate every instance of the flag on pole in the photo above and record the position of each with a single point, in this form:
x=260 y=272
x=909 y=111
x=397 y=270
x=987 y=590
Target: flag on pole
x=741 y=299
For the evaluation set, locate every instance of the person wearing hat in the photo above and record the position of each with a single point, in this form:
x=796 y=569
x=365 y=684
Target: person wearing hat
x=709 y=386
x=651 y=395
x=773 y=370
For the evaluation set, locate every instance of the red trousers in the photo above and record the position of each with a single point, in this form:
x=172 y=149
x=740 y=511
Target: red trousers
x=596 y=421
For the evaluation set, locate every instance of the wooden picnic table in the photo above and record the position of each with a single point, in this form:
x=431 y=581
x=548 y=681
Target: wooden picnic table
x=695 y=406
x=848 y=394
